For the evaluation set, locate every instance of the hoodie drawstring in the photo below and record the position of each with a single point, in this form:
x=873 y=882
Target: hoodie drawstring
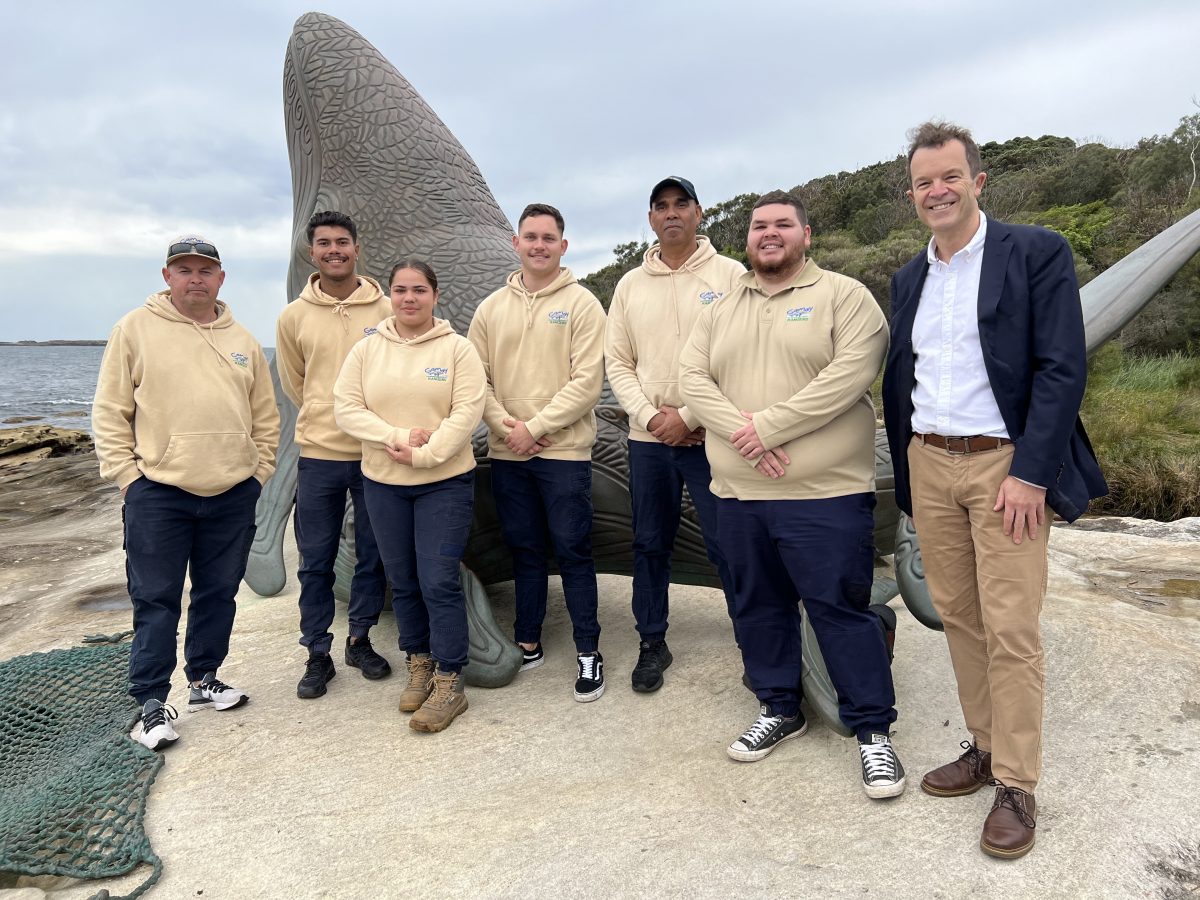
x=340 y=307
x=207 y=335
x=675 y=303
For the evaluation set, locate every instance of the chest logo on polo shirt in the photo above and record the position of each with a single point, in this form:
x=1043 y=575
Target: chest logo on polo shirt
x=799 y=313
x=370 y=330
x=709 y=296
x=559 y=317
x=436 y=373
x=240 y=359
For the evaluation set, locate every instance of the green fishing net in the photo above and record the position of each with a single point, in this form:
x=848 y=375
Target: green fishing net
x=73 y=786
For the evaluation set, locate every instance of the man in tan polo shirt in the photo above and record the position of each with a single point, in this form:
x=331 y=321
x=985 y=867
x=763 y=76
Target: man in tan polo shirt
x=779 y=373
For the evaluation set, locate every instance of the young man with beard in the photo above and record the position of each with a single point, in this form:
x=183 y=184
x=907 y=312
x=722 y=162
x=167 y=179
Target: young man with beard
x=779 y=373
x=651 y=316
x=337 y=309
x=186 y=426
x=541 y=339
x=981 y=397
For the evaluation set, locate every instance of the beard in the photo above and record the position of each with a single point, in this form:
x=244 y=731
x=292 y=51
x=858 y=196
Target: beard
x=793 y=261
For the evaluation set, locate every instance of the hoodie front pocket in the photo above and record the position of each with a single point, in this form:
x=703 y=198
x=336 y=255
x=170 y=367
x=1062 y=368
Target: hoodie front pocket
x=207 y=458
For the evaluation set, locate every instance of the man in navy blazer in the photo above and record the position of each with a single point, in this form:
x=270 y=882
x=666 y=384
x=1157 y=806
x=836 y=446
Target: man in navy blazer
x=981 y=393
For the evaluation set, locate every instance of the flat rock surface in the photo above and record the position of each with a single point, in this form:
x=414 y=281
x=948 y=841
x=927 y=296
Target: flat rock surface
x=532 y=794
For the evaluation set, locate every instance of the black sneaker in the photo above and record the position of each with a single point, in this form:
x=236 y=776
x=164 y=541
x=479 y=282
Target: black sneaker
x=318 y=672
x=765 y=734
x=882 y=774
x=590 y=683
x=653 y=658
x=362 y=655
x=531 y=659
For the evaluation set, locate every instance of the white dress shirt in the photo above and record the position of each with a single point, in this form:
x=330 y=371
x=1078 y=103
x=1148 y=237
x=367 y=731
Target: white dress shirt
x=953 y=396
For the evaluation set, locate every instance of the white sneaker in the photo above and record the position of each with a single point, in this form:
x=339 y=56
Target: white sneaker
x=153 y=731
x=213 y=694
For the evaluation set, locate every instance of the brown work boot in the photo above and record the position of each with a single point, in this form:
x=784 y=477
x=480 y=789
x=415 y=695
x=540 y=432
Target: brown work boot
x=1008 y=831
x=420 y=682
x=443 y=705
x=965 y=775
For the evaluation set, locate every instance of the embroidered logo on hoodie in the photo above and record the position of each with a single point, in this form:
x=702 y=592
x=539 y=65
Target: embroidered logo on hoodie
x=559 y=317
x=241 y=359
x=799 y=313
x=370 y=330
x=436 y=373
x=709 y=296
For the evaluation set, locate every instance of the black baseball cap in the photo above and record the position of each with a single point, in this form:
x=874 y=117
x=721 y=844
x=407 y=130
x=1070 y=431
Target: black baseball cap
x=674 y=181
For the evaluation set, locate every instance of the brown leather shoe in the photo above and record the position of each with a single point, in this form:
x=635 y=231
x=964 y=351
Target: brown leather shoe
x=1008 y=831
x=965 y=775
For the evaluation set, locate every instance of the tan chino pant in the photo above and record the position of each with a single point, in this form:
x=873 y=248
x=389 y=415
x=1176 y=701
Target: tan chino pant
x=988 y=592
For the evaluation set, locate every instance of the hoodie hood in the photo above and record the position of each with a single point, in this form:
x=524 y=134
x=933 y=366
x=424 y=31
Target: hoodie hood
x=514 y=283
x=564 y=278
x=160 y=304
x=653 y=264
x=387 y=329
x=367 y=292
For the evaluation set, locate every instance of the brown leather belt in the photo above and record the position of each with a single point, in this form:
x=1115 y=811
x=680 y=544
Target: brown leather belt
x=973 y=444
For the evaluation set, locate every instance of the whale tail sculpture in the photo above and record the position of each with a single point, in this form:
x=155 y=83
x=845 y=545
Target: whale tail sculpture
x=361 y=140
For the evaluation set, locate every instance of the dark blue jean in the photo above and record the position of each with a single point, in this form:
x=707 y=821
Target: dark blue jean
x=321 y=488
x=657 y=475
x=821 y=551
x=422 y=530
x=168 y=531
x=541 y=502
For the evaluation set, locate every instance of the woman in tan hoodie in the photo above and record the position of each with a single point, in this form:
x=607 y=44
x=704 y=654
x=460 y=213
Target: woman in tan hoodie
x=413 y=393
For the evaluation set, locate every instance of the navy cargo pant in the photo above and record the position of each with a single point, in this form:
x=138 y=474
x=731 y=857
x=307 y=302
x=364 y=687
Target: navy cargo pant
x=822 y=552
x=321 y=488
x=422 y=531
x=539 y=502
x=167 y=532
x=657 y=475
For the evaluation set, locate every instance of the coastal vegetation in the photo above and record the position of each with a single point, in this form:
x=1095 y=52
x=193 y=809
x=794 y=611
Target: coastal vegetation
x=1142 y=409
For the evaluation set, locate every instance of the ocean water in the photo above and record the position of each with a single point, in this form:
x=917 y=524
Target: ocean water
x=56 y=384
x=49 y=382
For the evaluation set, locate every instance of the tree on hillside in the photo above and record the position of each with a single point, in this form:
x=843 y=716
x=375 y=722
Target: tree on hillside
x=603 y=282
x=1188 y=134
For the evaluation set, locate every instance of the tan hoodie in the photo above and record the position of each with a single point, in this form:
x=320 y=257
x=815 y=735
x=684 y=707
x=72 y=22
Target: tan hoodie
x=651 y=315
x=312 y=338
x=390 y=385
x=184 y=404
x=802 y=361
x=543 y=353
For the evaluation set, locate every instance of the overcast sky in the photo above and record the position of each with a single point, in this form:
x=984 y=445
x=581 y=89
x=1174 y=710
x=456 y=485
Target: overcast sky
x=123 y=124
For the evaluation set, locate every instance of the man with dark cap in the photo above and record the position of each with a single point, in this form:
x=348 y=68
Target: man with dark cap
x=650 y=318
x=186 y=426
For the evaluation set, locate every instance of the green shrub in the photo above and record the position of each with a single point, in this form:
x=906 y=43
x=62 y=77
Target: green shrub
x=1143 y=416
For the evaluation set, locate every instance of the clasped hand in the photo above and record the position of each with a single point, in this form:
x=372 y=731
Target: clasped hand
x=747 y=442
x=667 y=425
x=519 y=440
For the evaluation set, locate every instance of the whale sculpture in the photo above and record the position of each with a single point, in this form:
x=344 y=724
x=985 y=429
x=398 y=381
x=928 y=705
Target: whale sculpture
x=361 y=140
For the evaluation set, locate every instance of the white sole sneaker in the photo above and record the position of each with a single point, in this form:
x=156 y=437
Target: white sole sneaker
x=736 y=752
x=590 y=695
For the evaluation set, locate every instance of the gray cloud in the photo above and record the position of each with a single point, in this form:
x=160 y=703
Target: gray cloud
x=132 y=123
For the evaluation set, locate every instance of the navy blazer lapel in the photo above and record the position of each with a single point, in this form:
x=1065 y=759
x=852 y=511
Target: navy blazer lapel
x=996 y=249
x=906 y=309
